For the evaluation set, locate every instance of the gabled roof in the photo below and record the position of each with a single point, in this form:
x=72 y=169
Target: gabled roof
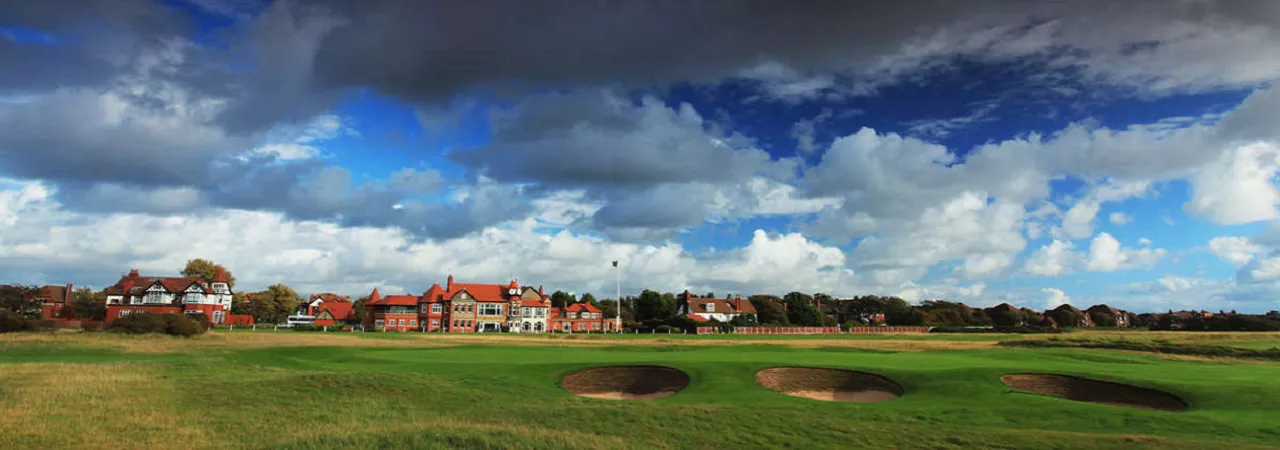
x=697 y=318
x=481 y=292
x=339 y=310
x=395 y=300
x=582 y=307
x=1104 y=308
x=722 y=305
x=133 y=283
x=57 y=294
x=535 y=303
x=1068 y=307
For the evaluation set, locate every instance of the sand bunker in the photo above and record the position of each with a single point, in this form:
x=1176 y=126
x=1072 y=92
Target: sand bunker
x=836 y=385
x=1086 y=390
x=626 y=382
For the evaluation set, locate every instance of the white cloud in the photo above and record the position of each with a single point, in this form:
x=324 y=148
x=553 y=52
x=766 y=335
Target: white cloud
x=1239 y=186
x=1144 y=242
x=1054 y=298
x=1054 y=259
x=1106 y=255
x=1236 y=250
x=1120 y=218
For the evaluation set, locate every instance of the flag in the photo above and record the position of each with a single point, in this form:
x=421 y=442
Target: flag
x=615 y=264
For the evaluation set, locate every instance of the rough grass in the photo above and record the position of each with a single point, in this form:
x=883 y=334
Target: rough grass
x=1156 y=346
x=309 y=390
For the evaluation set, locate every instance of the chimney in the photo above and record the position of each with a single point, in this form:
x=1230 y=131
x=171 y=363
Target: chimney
x=133 y=273
x=69 y=294
x=737 y=304
x=448 y=284
x=540 y=290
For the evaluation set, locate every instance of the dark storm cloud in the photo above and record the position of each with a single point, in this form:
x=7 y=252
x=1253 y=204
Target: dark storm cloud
x=437 y=49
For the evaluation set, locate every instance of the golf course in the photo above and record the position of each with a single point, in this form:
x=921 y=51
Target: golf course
x=285 y=389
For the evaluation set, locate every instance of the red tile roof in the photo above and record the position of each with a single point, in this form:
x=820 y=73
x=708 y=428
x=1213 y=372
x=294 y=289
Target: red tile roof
x=697 y=318
x=135 y=284
x=722 y=305
x=582 y=307
x=339 y=310
x=397 y=300
x=535 y=304
x=57 y=294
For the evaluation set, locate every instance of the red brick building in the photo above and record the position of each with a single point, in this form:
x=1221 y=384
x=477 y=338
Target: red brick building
x=55 y=301
x=170 y=295
x=459 y=308
x=579 y=318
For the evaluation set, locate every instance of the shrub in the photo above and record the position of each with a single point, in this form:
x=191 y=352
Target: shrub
x=182 y=325
x=664 y=329
x=91 y=326
x=306 y=327
x=11 y=321
x=148 y=322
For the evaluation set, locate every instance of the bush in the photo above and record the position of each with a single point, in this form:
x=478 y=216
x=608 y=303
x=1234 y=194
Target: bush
x=306 y=327
x=91 y=326
x=665 y=329
x=148 y=322
x=11 y=321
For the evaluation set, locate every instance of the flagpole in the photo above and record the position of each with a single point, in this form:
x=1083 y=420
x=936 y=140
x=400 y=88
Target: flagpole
x=617 y=316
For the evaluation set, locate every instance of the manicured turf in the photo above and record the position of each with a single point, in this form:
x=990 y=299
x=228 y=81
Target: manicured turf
x=242 y=390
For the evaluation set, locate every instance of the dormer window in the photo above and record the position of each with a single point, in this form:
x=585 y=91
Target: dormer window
x=711 y=307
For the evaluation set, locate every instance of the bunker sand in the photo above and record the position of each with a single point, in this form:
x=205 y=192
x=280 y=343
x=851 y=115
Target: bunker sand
x=625 y=382
x=838 y=385
x=1094 y=391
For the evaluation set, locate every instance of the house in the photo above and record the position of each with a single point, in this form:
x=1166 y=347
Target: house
x=56 y=301
x=1062 y=311
x=719 y=309
x=579 y=318
x=170 y=295
x=334 y=313
x=1122 y=318
x=312 y=306
x=1007 y=315
x=463 y=308
x=393 y=312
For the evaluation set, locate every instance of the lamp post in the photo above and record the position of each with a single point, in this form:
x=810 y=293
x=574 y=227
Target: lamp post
x=617 y=315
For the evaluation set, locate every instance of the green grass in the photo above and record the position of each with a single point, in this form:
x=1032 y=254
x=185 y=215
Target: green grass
x=502 y=396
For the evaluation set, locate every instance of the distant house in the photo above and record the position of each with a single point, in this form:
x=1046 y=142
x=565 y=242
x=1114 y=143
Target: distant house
x=719 y=309
x=334 y=313
x=579 y=318
x=1007 y=315
x=55 y=301
x=1122 y=318
x=1062 y=311
x=170 y=295
x=462 y=307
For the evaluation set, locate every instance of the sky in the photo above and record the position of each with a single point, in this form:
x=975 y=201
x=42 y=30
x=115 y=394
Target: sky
x=1037 y=153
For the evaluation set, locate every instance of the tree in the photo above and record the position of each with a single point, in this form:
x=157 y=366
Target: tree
x=358 y=308
x=205 y=269
x=654 y=306
x=273 y=305
x=710 y=295
x=609 y=308
x=769 y=309
x=238 y=303
x=89 y=304
x=1068 y=318
x=20 y=300
x=560 y=299
x=590 y=299
x=800 y=310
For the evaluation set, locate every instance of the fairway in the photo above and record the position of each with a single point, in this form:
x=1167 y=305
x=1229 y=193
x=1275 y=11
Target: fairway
x=312 y=390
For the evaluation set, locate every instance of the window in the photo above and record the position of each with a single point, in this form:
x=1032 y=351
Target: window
x=435 y=323
x=124 y=312
x=455 y=324
x=469 y=324
x=217 y=316
x=573 y=315
x=154 y=297
x=490 y=309
x=194 y=297
x=711 y=307
x=413 y=323
x=526 y=326
x=401 y=322
x=377 y=323
x=435 y=308
x=542 y=312
x=424 y=308
x=471 y=308
x=527 y=312
x=595 y=326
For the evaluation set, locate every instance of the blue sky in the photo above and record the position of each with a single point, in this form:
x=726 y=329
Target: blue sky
x=1036 y=153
